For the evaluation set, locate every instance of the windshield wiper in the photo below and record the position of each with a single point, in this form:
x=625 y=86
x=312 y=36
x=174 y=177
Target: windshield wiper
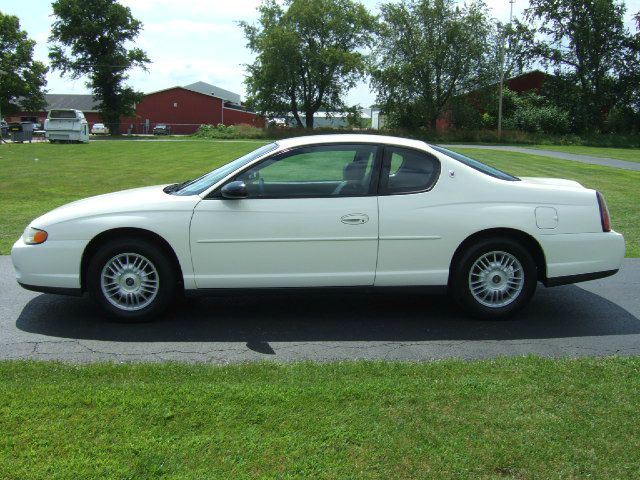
x=175 y=186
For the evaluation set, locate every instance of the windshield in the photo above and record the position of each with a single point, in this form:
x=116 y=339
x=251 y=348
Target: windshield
x=476 y=164
x=199 y=185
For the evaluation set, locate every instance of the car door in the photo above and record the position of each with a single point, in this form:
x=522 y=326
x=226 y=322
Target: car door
x=310 y=218
x=412 y=250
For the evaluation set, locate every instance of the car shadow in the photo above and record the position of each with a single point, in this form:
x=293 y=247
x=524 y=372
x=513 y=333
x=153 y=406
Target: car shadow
x=567 y=311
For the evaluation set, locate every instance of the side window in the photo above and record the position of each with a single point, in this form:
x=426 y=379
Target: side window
x=317 y=171
x=408 y=171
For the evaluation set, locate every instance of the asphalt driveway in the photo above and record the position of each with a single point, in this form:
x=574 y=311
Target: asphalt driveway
x=590 y=319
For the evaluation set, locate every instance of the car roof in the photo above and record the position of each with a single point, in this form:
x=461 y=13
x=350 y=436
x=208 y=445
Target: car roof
x=350 y=138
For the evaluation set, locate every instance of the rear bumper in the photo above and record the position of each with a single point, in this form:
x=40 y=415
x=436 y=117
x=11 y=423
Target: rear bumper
x=582 y=277
x=583 y=256
x=63 y=135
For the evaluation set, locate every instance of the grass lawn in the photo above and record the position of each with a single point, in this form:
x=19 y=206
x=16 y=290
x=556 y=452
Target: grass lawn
x=524 y=418
x=621 y=187
x=35 y=178
x=628 y=154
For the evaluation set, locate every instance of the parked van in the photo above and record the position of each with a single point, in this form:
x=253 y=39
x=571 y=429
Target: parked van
x=66 y=125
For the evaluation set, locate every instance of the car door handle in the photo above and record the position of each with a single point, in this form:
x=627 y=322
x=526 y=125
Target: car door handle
x=354 y=219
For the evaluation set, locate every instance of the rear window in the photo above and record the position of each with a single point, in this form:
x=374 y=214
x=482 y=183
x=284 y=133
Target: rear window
x=476 y=164
x=62 y=114
x=408 y=171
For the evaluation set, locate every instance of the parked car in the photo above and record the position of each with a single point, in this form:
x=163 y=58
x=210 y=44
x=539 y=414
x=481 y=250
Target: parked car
x=67 y=126
x=99 y=129
x=162 y=129
x=4 y=128
x=326 y=211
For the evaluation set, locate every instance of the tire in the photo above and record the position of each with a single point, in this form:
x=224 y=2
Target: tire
x=494 y=278
x=133 y=280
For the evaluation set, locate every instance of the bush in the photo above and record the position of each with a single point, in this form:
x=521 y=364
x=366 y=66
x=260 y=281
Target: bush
x=465 y=116
x=623 y=120
x=221 y=131
x=537 y=119
x=533 y=113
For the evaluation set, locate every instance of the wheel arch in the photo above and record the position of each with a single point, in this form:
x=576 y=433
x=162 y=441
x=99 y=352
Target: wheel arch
x=526 y=240
x=131 y=232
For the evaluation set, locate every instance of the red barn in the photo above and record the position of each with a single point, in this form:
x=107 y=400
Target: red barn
x=184 y=109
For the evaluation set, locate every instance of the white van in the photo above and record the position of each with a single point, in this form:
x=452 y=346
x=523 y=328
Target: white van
x=66 y=125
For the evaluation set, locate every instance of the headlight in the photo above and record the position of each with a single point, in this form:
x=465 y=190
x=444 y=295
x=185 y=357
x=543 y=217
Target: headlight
x=34 y=236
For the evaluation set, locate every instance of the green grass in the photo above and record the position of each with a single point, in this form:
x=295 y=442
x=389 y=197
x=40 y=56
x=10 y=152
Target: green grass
x=34 y=178
x=524 y=418
x=619 y=186
x=627 y=154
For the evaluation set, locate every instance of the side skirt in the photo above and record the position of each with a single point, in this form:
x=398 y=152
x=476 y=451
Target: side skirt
x=417 y=289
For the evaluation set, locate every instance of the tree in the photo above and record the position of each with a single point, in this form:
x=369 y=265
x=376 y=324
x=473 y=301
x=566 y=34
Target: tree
x=427 y=53
x=89 y=39
x=589 y=49
x=22 y=79
x=354 y=118
x=307 y=56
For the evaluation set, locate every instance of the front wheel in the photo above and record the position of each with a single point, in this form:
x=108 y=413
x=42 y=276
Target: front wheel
x=131 y=279
x=494 y=278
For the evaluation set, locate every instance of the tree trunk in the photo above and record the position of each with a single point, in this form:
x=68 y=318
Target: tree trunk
x=433 y=122
x=296 y=116
x=112 y=121
x=309 y=120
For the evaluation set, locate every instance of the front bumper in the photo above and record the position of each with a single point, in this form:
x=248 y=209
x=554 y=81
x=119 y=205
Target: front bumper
x=51 y=265
x=74 y=292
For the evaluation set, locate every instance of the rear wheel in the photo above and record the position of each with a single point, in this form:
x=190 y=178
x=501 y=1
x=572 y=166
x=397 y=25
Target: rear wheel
x=131 y=279
x=494 y=278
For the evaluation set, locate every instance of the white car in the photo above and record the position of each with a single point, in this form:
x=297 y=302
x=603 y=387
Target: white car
x=326 y=211
x=99 y=129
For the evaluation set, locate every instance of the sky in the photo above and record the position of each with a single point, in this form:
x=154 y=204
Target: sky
x=195 y=40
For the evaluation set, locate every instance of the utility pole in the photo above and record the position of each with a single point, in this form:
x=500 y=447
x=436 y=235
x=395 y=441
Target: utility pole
x=2 y=72
x=502 y=55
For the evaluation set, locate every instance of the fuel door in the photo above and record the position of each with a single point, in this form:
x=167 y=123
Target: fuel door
x=546 y=218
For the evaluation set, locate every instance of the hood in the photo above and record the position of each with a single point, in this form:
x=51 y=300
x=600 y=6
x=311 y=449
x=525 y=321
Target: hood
x=555 y=182
x=125 y=201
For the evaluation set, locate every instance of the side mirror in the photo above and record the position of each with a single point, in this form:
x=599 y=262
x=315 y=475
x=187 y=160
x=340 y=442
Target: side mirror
x=235 y=190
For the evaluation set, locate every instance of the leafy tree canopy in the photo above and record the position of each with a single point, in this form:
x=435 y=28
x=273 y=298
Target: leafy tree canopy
x=586 y=44
x=309 y=54
x=22 y=79
x=90 y=38
x=428 y=52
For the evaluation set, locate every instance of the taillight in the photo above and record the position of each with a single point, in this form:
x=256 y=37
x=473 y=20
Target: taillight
x=605 y=218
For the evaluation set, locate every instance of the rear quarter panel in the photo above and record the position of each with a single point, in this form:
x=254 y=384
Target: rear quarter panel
x=419 y=233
